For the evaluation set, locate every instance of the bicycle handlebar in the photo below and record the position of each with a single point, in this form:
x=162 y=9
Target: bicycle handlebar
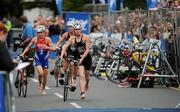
x=58 y=49
x=23 y=59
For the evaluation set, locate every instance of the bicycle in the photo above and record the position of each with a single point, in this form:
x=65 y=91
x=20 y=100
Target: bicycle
x=21 y=77
x=68 y=78
x=124 y=64
x=57 y=72
x=102 y=55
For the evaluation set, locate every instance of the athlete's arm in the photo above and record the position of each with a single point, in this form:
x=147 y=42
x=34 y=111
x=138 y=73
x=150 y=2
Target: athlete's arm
x=29 y=46
x=61 y=39
x=50 y=46
x=65 y=46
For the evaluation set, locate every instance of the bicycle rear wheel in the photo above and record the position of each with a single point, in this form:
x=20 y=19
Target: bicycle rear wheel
x=18 y=83
x=57 y=71
x=24 y=84
x=118 y=71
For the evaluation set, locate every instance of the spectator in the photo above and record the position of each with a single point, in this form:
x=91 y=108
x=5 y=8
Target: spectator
x=59 y=21
x=96 y=24
x=27 y=35
x=131 y=37
x=39 y=21
x=54 y=29
x=28 y=31
x=6 y=63
x=8 y=25
x=176 y=4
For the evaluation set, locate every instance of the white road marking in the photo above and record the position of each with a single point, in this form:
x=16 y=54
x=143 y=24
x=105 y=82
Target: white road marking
x=36 y=81
x=177 y=89
x=178 y=106
x=58 y=95
x=75 y=105
x=47 y=88
x=72 y=103
x=147 y=108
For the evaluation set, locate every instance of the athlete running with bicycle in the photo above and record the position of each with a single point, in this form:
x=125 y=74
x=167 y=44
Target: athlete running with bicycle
x=82 y=46
x=43 y=45
x=61 y=42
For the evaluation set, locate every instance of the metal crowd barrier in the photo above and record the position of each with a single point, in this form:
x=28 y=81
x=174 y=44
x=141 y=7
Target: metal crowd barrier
x=6 y=93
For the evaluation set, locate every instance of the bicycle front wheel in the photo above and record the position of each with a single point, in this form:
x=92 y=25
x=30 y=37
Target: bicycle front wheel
x=65 y=93
x=66 y=83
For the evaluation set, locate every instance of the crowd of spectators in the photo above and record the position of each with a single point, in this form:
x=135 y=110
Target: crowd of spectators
x=55 y=26
x=171 y=4
x=156 y=24
x=137 y=23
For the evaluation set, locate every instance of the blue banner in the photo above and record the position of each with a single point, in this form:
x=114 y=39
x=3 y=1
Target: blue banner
x=102 y=1
x=83 y=17
x=121 y=4
x=99 y=1
x=59 y=6
x=152 y=4
x=112 y=5
x=2 y=96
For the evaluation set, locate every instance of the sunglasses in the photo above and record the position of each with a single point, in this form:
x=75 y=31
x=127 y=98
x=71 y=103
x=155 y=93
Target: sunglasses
x=39 y=32
x=77 y=29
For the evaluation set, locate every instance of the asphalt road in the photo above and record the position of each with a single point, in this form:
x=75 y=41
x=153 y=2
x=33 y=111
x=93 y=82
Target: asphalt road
x=101 y=94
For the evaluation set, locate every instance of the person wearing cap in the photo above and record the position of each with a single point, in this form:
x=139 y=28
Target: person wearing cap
x=62 y=40
x=43 y=45
x=82 y=45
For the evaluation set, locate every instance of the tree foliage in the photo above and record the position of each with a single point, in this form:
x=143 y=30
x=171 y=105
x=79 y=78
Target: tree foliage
x=74 y=5
x=133 y=4
x=10 y=8
x=15 y=7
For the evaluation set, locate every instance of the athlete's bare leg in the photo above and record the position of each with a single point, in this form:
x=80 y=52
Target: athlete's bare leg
x=44 y=78
x=40 y=72
x=64 y=66
x=87 y=78
x=82 y=79
x=82 y=82
x=74 y=73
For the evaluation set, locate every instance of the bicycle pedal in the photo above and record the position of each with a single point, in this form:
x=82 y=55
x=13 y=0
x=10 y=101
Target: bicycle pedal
x=52 y=72
x=72 y=88
x=21 y=83
x=61 y=81
x=62 y=75
x=25 y=82
x=16 y=84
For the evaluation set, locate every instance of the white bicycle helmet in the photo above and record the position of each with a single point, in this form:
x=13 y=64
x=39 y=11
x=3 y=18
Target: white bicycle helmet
x=40 y=28
x=70 y=23
x=77 y=25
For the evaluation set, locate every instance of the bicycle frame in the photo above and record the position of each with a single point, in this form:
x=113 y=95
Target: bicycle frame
x=21 y=80
x=68 y=79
